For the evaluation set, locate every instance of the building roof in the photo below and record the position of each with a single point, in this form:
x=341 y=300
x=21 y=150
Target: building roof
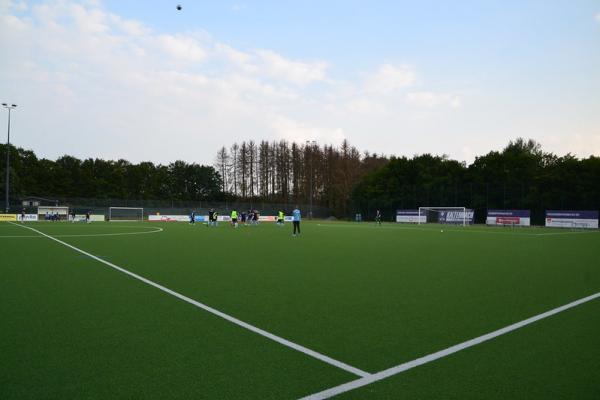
x=27 y=198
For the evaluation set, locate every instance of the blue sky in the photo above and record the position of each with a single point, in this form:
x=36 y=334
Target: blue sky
x=398 y=77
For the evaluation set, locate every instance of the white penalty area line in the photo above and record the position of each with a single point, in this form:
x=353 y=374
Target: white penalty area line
x=214 y=311
x=334 y=391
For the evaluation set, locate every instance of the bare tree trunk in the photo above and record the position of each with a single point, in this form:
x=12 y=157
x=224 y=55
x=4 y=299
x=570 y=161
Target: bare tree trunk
x=222 y=167
x=235 y=163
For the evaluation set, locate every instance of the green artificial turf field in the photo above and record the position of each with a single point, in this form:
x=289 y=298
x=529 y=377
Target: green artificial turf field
x=366 y=296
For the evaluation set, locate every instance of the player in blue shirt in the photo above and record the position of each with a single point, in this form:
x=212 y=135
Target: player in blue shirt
x=296 y=220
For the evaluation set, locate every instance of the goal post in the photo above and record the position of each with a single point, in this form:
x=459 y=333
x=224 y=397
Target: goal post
x=449 y=215
x=125 y=214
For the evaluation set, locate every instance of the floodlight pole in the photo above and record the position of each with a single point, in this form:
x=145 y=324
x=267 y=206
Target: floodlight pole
x=9 y=108
x=311 y=146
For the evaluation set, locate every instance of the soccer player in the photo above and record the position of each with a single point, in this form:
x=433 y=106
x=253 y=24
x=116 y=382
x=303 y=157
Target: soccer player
x=296 y=221
x=378 y=218
x=244 y=217
x=215 y=218
x=87 y=217
x=22 y=215
x=211 y=214
x=234 y=217
x=193 y=218
x=280 y=218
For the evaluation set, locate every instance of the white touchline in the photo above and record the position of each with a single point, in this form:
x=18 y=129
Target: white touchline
x=216 y=312
x=334 y=391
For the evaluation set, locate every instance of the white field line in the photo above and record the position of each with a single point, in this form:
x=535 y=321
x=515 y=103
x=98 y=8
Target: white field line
x=464 y=230
x=334 y=391
x=214 y=311
x=564 y=233
x=21 y=236
x=156 y=230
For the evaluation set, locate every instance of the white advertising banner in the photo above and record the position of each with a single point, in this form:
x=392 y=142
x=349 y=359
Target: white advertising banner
x=93 y=218
x=169 y=218
x=572 y=219
x=410 y=217
x=508 y=217
x=28 y=217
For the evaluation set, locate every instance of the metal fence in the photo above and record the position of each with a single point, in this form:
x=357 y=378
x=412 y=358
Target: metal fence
x=174 y=207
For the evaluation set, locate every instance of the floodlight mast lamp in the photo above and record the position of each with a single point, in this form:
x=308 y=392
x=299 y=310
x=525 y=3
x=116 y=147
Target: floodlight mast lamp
x=9 y=107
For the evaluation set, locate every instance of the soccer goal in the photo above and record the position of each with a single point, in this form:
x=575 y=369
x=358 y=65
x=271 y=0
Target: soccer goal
x=445 y=215
x=53 y=213
x=125 y=214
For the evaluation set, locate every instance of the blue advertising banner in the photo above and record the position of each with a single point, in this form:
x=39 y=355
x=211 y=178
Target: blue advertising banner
x=509 y=213
x=456 y=217
x=572 y=214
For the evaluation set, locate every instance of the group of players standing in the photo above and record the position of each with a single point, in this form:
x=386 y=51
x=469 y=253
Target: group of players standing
x=252 y=217
x=247 y=218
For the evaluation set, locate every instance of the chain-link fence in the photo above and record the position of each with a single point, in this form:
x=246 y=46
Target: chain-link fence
x=174 y=207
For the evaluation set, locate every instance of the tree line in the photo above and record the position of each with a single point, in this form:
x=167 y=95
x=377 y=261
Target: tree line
x=70 y=177
x=338 y=178
x=521 y=176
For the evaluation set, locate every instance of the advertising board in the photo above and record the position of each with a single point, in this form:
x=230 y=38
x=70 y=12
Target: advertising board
x=410 y=217
x=572 y=219
x=169 y=218
x=8 y=217
x=93 y=218
x=508 y=217
x=28 y=217
x=455 y=216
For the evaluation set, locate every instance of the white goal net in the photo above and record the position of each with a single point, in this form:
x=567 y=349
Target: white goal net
x=125 y=214
x=446 y=215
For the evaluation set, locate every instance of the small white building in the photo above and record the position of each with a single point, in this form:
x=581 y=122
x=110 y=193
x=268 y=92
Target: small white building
x=33 y=201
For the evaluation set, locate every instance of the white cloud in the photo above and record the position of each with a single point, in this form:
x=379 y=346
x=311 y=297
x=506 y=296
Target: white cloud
x=597 y=16
x=8 y=5
x=89 y=20
x=182 y=48
x=292 y=130
x=297 y=72
x=390 y=78
x=130 y=27
x=430 y=99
